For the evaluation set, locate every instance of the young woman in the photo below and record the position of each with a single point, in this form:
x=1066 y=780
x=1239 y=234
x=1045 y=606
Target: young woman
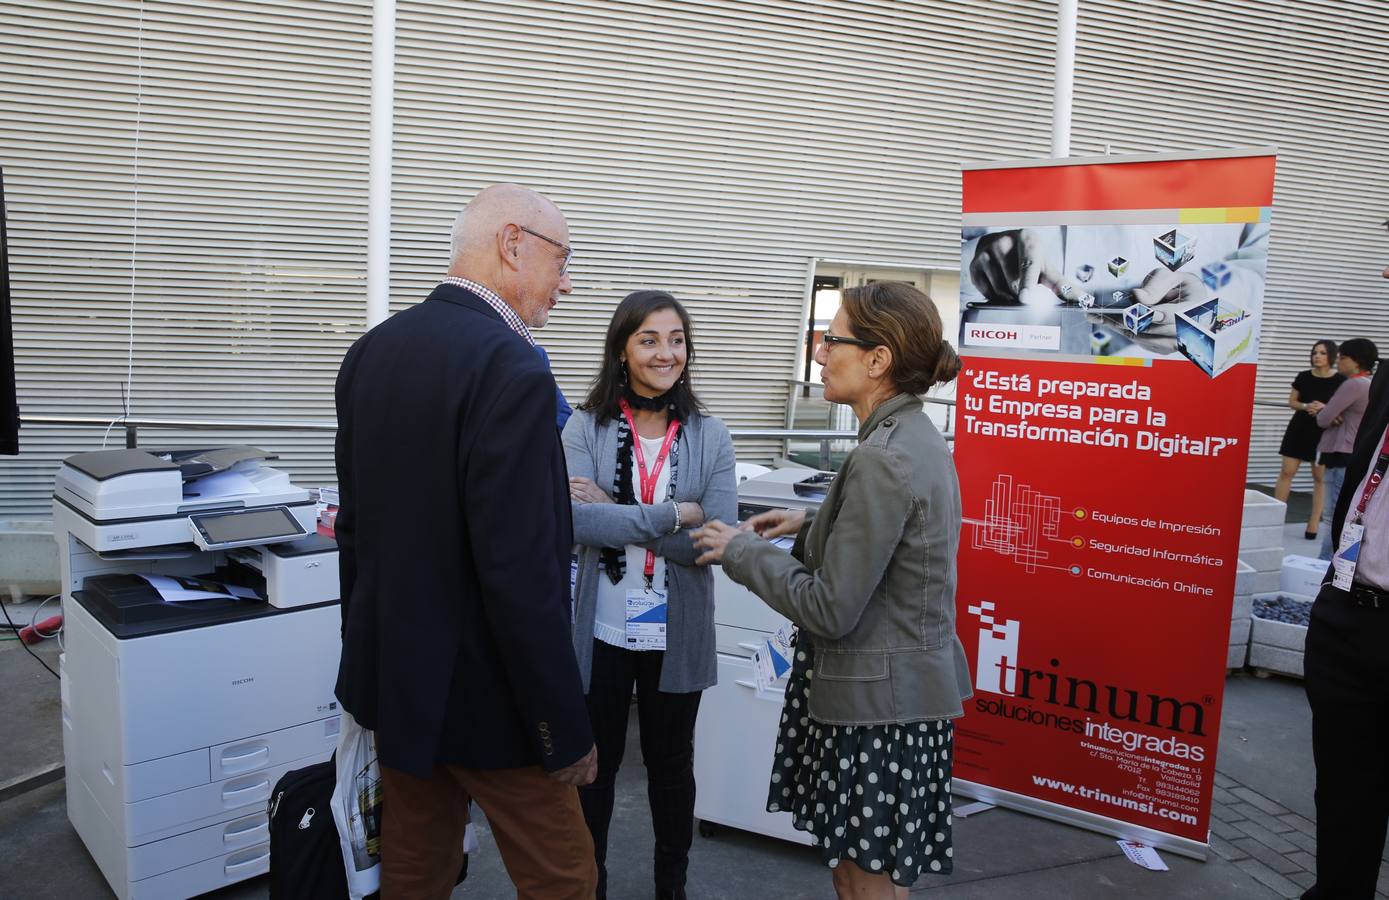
x=646 y=465
x=1340 y=419
x=863 y=757
x=1311 y=389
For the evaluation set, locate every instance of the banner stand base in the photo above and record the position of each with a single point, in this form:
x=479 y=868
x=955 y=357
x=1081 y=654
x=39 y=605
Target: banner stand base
x=1080 y=819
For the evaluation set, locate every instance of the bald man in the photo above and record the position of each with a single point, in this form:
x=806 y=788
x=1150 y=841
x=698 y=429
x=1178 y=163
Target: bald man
x=454 y=535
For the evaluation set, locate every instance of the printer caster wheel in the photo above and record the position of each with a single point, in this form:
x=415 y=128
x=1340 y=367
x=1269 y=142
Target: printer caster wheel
x=708 y=829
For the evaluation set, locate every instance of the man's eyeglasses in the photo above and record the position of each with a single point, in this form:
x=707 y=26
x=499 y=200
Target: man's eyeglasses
x=568 y=253
x=829 y=340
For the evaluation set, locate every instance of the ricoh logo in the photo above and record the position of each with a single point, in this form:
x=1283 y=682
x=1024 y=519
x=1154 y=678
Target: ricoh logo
x=241 y=681
x=998 y=671
x=992 y=334
x=1027 y=337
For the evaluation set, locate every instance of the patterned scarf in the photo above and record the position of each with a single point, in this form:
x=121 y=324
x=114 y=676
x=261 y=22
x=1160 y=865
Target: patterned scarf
x=614 y=559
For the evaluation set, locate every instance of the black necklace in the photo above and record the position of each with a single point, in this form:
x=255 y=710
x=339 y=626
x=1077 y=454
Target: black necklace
x=648 y=404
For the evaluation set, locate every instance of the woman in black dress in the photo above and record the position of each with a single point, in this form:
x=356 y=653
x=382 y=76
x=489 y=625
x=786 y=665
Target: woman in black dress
x=1311 y=389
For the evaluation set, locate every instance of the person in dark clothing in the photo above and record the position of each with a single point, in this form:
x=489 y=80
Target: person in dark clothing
x=1347 y=670
x=1311 y=389
x=454 y=537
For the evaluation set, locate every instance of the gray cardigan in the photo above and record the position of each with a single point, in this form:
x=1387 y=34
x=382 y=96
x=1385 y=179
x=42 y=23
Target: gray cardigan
x=705 y=477
x=871 y=581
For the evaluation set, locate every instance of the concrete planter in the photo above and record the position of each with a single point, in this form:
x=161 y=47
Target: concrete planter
x=1269 y=559
x=1277 y=647
x=1260 y=537
x=1238 y=652
x=1261 y=510
x=28 y=558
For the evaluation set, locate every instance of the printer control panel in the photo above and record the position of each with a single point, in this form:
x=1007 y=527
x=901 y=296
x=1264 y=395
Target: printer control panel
x=245 y=527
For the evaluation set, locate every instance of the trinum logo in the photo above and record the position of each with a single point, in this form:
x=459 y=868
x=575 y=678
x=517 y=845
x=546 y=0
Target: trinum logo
x=996 y=670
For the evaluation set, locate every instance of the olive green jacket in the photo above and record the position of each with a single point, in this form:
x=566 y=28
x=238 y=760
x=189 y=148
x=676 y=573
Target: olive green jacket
x=871 y=581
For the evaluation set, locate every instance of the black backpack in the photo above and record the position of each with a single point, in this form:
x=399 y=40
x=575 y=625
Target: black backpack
x=305 y=855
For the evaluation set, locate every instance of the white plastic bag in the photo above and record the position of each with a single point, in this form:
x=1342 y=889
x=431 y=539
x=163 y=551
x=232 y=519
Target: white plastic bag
x=357 y=807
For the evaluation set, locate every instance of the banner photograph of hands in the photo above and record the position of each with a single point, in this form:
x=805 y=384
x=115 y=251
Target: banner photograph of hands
x=1146 y=287
x=1138 y=284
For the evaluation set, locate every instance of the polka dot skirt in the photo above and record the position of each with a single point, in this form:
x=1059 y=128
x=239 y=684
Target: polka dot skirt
x=878 y=795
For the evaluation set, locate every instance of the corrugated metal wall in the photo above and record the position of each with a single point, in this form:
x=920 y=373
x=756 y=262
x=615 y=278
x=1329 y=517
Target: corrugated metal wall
x=202 y=166
x=1311 y=78
x=709 y=148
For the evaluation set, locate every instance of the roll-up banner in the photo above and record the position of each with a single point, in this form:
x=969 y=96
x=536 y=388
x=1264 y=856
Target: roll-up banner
x=1109 y=328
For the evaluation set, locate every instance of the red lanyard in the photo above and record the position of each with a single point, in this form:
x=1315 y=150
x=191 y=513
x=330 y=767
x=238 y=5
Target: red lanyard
x=648 y=480
x=1376 y=477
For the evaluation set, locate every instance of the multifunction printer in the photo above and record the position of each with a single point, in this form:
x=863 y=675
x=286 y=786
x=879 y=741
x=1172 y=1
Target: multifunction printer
x=735 y=734
x=201 y=644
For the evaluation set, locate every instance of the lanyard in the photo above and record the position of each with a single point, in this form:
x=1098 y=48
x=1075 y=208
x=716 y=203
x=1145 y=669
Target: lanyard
x=648 y=480
x=1381 y=465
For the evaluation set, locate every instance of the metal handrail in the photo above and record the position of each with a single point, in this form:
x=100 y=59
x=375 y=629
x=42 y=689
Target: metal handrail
x=197 y=424
x=784 y=434
x=925 y=398
x=132 y=425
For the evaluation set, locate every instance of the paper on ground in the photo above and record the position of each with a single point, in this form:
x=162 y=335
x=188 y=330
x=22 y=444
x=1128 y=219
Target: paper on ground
x=968 y=809
x=1141 y=855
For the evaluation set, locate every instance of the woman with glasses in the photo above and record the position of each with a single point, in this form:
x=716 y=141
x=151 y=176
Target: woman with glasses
x=863 y=756
x=646 y=465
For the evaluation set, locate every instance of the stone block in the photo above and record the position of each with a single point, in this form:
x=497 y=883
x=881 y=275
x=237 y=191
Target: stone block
x=1244 y=577
x=1275 y=659
x=1239 y=630
x=1261 y=509
x=1260 y=537
x=1270 y=559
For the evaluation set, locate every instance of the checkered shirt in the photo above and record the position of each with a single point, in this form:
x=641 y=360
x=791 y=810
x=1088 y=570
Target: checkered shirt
x=489 y=296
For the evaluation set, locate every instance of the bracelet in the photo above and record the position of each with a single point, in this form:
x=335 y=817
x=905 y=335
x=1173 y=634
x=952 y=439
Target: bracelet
x=676 y=529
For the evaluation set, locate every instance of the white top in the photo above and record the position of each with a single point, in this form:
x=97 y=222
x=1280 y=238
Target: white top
x=1373 y=567
x=610 y=619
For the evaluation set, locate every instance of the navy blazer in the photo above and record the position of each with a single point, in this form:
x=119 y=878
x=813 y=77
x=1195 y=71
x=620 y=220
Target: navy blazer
x=454 y=535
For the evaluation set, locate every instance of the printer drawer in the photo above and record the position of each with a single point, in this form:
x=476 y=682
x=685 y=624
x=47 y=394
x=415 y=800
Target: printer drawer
x=208 y=804
x=215 y=840
x=198 y=767
x=164 y=776
x=263 y=751
x=203 y=877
